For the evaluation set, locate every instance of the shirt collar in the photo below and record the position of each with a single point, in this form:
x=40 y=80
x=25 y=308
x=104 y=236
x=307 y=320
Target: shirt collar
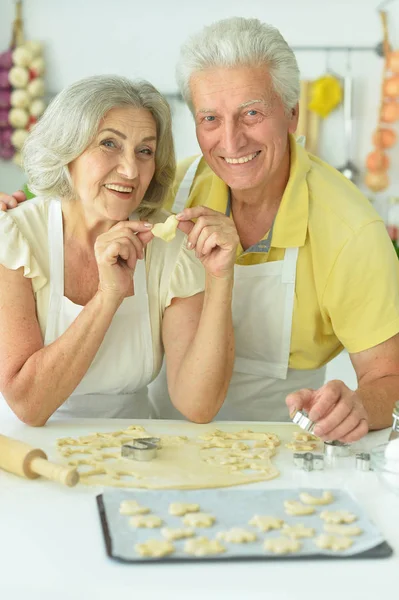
x=291 y=222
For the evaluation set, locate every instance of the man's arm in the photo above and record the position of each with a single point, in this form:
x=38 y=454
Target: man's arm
x=11 y=201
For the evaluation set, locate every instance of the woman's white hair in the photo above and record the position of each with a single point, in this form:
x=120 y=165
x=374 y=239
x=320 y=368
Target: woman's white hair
x=241 y=42
x=71 y=122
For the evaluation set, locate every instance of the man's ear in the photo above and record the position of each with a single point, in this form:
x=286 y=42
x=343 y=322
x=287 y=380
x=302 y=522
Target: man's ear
x=293 y=123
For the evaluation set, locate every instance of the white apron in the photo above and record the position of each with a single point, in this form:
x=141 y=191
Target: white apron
x=115 y=383
x=263 y=302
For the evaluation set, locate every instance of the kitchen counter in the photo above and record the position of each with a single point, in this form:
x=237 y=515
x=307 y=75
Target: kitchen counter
x=51 y=545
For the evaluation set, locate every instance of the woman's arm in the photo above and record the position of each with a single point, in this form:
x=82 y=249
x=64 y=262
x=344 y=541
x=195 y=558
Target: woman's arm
x=199 y=349
x=35 y=380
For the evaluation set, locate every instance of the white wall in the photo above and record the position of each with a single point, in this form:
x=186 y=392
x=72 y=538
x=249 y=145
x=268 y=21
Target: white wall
x=141 y=39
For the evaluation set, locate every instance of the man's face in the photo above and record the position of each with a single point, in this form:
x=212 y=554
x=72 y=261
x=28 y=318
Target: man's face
x=241 y=125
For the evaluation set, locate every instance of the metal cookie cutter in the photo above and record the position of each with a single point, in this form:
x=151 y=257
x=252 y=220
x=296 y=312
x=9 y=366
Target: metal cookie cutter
x=141 y=448
x=363 y=461
x=300 y=417
x=309 y=461
x=336 y=449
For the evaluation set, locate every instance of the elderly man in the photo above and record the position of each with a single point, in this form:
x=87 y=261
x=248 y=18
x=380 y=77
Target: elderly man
x=315 y=270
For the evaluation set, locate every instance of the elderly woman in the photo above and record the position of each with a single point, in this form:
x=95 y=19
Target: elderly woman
x=89 y=298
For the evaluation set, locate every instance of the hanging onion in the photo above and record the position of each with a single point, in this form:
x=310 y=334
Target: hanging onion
x=377 y=182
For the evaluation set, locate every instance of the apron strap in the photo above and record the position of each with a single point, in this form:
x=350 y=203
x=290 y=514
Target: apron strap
x=184 y=189
x=288 y=276
x=56 y=264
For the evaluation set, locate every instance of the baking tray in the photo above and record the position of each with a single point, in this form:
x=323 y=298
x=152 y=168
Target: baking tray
x=232 y=508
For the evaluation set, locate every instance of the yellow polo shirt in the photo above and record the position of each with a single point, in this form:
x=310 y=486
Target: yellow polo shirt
x=347 y=282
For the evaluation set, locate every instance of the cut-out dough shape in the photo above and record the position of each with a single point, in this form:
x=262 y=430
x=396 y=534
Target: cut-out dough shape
x=337 y=516
x=176 y=534
x=293 y=507
x=300 y=436
x=333 y=542
x=297 y=531
x=156 y=548
x=325 y=498
x=301 y=446
x=203 y=546
x=132 y=507
x=198 y=519
x=266 y=523
x=282 y=545
x=167 y=230
x=342 y=529
x=179 y=509
x=148 y=521
x=236 y=535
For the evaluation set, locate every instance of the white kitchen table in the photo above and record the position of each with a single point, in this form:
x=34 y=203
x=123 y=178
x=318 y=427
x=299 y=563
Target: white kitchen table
x=51 y=544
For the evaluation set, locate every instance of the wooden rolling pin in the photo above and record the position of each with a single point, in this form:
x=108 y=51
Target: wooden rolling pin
x=22 y=459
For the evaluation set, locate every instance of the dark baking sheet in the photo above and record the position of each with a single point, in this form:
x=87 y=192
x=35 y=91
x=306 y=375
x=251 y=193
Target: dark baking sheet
x=120 y=541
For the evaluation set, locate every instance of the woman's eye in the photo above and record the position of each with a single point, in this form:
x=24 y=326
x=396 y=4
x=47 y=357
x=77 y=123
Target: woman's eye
x=147 y=151
x=108 y=143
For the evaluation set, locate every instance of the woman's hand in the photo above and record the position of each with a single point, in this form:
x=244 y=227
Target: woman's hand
x=214 y=238
x=117 y=252
x=11 y=201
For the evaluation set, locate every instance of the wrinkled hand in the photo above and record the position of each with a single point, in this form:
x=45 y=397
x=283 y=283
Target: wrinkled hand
x=214 y=238
x=117 y=252
x=11 y=201
x=337 y=410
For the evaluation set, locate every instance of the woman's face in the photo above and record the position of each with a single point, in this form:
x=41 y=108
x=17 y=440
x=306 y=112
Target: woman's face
x=112 y=175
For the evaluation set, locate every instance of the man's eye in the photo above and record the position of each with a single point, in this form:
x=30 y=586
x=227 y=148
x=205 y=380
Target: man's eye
x=210 y=118
x=252 y=113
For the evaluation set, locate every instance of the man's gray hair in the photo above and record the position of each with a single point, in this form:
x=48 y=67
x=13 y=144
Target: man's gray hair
x=241 y=42
x=70 y=123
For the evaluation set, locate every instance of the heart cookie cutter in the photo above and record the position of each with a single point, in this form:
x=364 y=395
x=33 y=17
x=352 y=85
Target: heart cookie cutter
x=141 y=448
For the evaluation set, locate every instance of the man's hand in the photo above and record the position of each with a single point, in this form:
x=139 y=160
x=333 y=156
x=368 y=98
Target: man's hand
x=7 y=201
x=337 y=411
x=213 y=237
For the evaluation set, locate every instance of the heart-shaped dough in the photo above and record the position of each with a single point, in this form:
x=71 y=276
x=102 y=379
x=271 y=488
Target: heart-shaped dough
x=166 y=231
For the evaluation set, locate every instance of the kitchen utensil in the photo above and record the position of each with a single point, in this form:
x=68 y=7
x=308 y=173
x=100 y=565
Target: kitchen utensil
x=301 y=418
x=26 y=461
x=349 y=170
x=141 y=448
x=309 y=461
x=363 y=461
x=336 y=449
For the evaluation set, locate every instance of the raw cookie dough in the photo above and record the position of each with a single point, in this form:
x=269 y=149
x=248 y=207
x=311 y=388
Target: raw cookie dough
x=333 y=542
x=132 y=507
x=325 y=498
x=198 y=519
x=342 y=529
x=282 y=545
x=236 y=535
x=301 y=446
x=337 y=516
x=293 y=507
x=167 y=230
x=203 y=546
x=297 y=531
x=179 y=509
x=301 y=436
x=176 y=534
x=148 y=521
x=155 y=548
x=266 y=523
